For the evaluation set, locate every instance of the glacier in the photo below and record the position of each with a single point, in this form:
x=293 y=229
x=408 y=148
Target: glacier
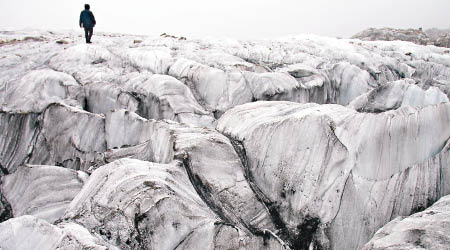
x=300 y=142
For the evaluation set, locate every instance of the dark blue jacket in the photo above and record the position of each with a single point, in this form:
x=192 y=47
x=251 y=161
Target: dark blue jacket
x=87 y=19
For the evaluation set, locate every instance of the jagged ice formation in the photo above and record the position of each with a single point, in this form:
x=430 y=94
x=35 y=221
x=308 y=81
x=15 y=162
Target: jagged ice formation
x=301 y=142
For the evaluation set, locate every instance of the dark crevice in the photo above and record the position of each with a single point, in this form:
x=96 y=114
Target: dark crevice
x=305 y=235
x=85 y=105
x=203 y=191
x=5 y=208
x=183 y=240
x=240 y=150
x=350 y=175
x=299 y=238
x=217 y=114
x=195 y=93
x=421 y=207
x=37 y=132
x=4 y=170
x=149 y=106
x=206 y=194
x=137 y=219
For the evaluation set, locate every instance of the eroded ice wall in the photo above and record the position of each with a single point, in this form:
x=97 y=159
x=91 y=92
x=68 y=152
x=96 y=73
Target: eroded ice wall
x=342 y=173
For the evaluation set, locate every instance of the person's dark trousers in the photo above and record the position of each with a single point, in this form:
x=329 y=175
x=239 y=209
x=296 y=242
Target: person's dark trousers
x=88 y=34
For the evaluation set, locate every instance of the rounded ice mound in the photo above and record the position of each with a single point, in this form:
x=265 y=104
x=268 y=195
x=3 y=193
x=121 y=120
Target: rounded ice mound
x=28 y=232
x=39 y=88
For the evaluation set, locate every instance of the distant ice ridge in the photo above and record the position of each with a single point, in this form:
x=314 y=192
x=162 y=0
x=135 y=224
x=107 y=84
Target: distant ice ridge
x=433 y=36
x=204 y=77
x=302 y=142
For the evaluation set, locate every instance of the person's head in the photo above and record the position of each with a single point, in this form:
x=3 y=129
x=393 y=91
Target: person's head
x=86 y=6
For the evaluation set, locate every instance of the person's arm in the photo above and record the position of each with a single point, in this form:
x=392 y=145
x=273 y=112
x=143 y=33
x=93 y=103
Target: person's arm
x=81 y=14
x=93 y=19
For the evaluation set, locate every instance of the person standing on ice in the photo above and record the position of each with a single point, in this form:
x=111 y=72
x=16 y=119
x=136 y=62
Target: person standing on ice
x=87 y=21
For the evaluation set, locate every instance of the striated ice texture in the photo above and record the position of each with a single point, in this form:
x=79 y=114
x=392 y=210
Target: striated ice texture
x=42 y=191
x=425 y=230
x=301 y=142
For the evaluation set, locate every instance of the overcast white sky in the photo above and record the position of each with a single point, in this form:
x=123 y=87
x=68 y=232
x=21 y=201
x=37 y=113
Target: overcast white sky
x=229 y=18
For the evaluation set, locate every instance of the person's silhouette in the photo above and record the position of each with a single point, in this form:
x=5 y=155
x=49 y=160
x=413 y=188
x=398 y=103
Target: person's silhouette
x=87 y=21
